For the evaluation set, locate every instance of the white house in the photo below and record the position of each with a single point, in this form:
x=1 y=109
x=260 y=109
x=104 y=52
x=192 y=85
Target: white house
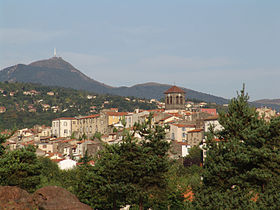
x=62 y=127
x=67 y=164
x=179 y=132
x=208 y=122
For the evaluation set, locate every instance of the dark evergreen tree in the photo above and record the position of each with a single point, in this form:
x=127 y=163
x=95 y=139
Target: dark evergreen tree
x=132 y=172
x=237 y=167
x=3 y=138
x=20 y=168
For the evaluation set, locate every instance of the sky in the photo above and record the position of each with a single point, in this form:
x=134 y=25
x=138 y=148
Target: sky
x=212 y=46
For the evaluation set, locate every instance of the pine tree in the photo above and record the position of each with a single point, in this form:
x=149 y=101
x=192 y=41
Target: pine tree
x=3 y=138
x=20 y=168
x=239 y=158
x=132 y=172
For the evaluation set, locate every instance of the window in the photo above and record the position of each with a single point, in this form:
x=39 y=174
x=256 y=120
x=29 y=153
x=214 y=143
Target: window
x=177 y=99
x=183 y=135
x=44 y=146
x=183 y=129
x=65 y=131
x=181 y=100
x=173 y=136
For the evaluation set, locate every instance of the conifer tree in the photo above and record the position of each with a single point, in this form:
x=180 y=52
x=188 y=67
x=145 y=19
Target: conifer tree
x=20 y=168
x=237 y=166
x=132 y=172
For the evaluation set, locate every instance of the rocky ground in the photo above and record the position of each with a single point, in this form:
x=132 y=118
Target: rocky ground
x=46 y=198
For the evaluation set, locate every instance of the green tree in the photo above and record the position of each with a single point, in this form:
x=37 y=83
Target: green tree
x=132 y=172
x=151 y=181
x=237 y=165
x=102 y=186
x=3 y=138
x=20 y=168
x=194 y=157
x=50 y=172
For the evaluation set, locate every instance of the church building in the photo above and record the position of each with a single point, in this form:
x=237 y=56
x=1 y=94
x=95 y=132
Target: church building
x=174 y=99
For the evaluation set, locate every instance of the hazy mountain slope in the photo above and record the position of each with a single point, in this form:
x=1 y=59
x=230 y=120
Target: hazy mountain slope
x=52 y=72
x=269 y=101
x=156 y=90
x=57 y=72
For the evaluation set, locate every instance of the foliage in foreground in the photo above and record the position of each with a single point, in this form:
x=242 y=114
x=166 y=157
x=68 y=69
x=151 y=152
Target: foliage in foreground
x=20 y=168
x=243 y=165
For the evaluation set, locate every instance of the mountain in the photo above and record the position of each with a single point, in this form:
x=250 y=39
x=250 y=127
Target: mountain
x=52 y=72
x=269 y=101
x=155 y=90
x=57 y=72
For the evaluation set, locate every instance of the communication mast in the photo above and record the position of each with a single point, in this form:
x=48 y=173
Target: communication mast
x=54 y=52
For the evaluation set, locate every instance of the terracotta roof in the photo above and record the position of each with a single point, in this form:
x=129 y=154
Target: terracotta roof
x=90 y=116
x=166 y=118
x=176 y=114
x=83 y=141
x=65 y=118
x=174 y=89
x=181 y=143
x=155 y=110
x=68 y=140
x=117 y=113
x=215 y=117
x=195 y=130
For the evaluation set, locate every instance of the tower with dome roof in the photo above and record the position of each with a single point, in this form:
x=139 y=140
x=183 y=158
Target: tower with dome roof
x=174 y=99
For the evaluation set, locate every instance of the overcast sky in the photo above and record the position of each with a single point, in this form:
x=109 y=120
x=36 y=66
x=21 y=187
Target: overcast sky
x=205 y=45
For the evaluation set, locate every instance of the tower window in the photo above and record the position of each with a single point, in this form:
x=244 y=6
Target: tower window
x=181 y=99
x=167 y=100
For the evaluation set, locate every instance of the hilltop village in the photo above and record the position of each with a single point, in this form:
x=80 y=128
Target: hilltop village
x=70 y=138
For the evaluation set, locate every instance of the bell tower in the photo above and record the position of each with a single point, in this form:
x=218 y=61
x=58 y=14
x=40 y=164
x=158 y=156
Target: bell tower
x=174 y=99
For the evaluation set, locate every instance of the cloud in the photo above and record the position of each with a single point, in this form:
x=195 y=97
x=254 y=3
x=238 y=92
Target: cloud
x=26 y=36
x=187 y=63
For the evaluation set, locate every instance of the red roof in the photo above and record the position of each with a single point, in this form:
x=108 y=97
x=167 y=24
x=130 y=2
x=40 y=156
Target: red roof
x=117 y=113
x=209 y=111
x=214 y=117
x=175 y=114
x=195 y=130
x=155 y=110
x=174 y=89
x=90 y=116
x=65 y=118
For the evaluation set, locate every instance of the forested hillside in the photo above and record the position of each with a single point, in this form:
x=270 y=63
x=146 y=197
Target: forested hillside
x=24 y=105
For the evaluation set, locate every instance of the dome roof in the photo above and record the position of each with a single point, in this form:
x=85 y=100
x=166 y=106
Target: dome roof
x=174 y=89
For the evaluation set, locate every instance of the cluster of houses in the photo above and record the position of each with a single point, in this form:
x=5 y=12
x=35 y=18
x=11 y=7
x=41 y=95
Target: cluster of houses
x=69 y=138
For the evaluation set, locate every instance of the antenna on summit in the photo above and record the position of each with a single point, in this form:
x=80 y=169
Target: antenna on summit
x=54 y=52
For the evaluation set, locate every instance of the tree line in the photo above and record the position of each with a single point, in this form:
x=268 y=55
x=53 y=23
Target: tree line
x=69 y=103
